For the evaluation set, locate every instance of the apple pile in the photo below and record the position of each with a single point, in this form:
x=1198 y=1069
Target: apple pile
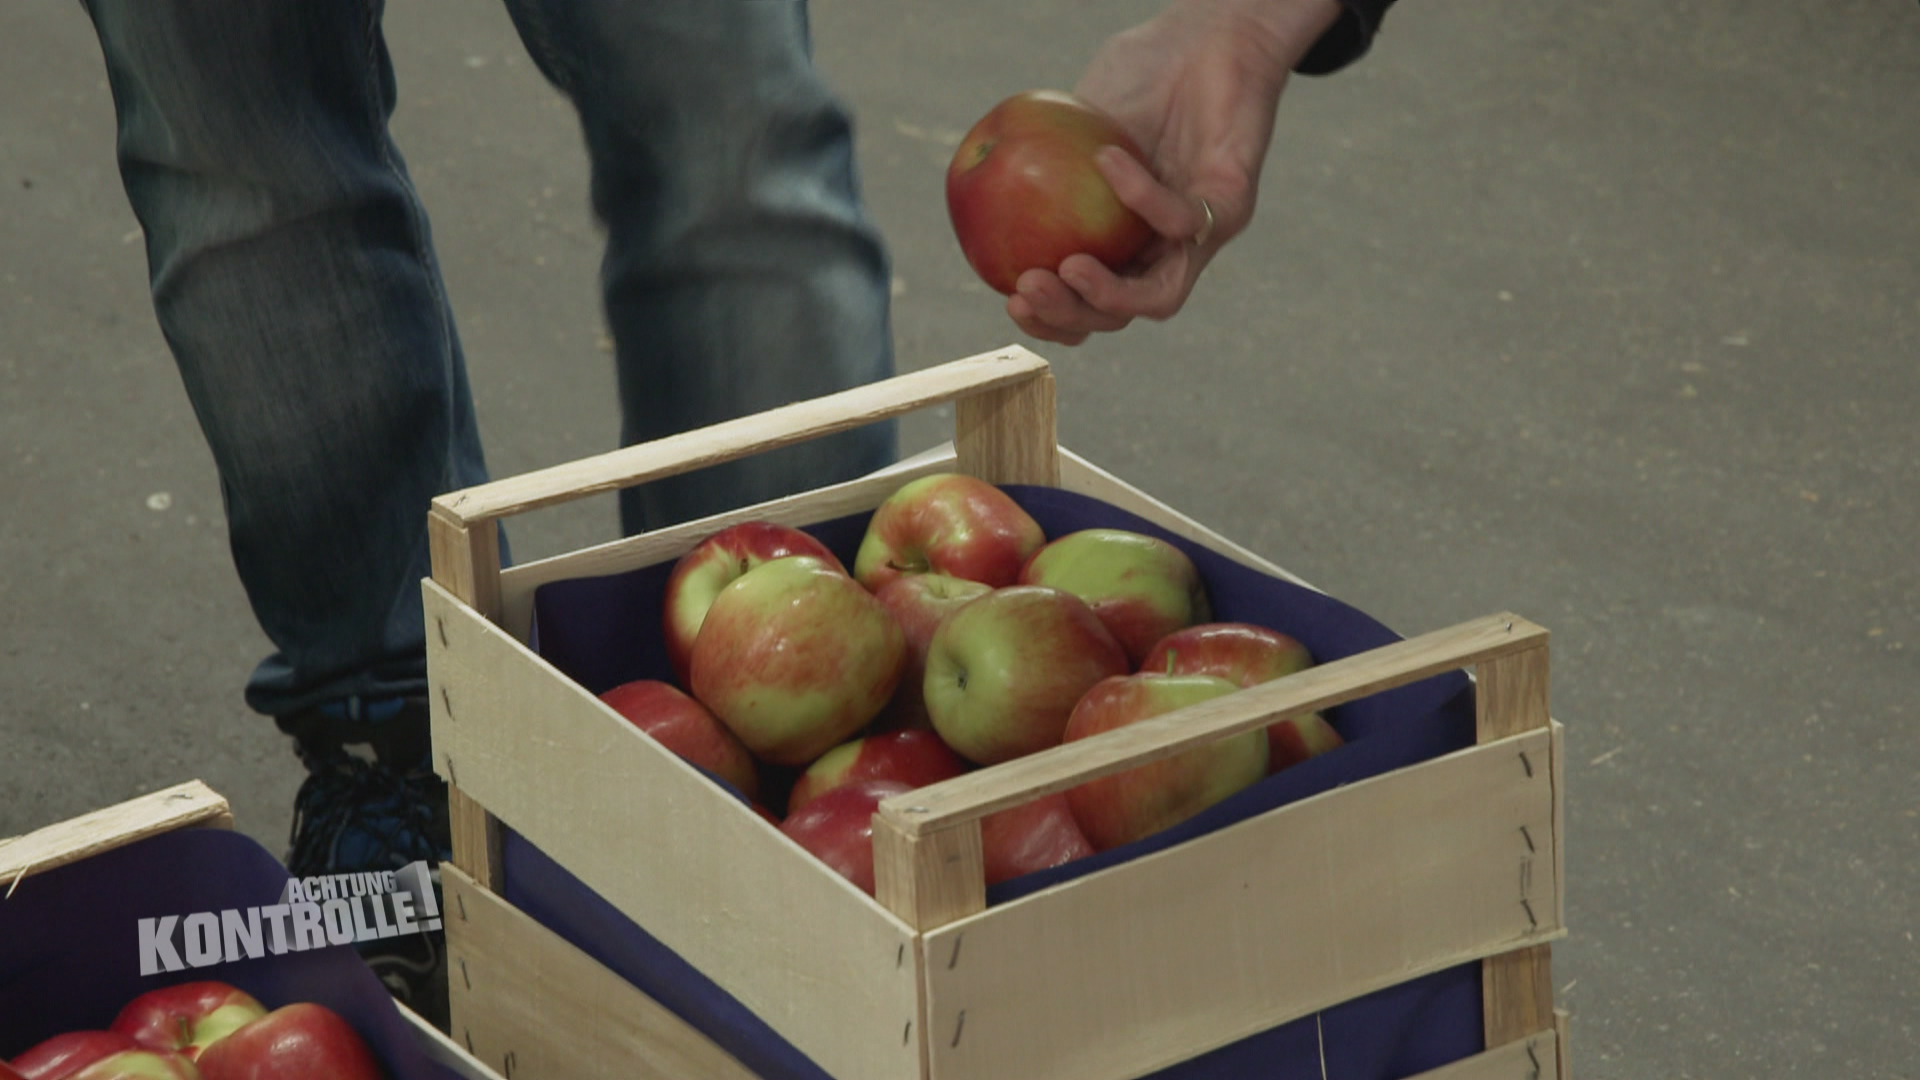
x=962 y=637
x=205 y=1030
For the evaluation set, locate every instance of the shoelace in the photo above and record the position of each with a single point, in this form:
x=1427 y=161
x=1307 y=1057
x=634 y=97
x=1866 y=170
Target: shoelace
x=346 y=799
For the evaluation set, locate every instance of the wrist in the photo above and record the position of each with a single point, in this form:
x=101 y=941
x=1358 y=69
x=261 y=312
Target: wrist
x=1289 y=27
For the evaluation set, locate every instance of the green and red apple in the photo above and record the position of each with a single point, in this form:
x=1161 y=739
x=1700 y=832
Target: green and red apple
x=1004 y=672
x=1140 y=586
x=294 y=1042
x=687 y=728
x=1247 y=655
x=837 y=827
x=914 y=758
x=794 y=657
x=713 y=564
x=187 y=1017
x=919 y=603
x=947 y=523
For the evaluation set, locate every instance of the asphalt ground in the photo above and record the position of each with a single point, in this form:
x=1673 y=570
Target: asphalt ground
x=1603 y=314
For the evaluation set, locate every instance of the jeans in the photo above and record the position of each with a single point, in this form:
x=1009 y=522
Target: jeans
x=294 y=278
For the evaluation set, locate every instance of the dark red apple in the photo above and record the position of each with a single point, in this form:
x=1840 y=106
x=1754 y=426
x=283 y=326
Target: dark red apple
x=69 y=1052
x=294 y=1042
x=1024 y=190
x=187 y=1017
x=947 y=523
x=913 y=758
x=837 y=828
x=1036 y=836
x=687 y=728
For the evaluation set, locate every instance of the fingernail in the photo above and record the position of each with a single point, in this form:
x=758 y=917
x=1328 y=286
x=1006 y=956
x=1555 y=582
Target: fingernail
x=1077 y=282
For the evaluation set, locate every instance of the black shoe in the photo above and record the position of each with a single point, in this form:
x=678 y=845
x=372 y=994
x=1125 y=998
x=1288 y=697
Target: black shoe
x=377 y=811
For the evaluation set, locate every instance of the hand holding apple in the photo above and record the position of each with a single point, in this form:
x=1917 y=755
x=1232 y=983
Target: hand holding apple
x=1024 y=190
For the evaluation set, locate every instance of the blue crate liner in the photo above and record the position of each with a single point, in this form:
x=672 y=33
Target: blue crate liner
x=70 y=949
x=605 y=631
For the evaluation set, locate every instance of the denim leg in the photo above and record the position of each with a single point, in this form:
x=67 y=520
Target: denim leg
x=294 y=279
x=740 y=272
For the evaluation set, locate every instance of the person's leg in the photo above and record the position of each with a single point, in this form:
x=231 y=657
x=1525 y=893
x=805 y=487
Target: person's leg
x=740 y=271
x=294 y=280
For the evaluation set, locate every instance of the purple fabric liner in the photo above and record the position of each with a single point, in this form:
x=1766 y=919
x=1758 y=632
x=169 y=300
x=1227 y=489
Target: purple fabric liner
x=606 y=631
x=70 y=945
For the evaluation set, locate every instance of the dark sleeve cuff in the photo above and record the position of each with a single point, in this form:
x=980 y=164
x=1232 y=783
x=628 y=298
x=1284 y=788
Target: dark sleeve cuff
x=1347 y=40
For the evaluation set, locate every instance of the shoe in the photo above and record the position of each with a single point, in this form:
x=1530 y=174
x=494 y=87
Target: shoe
x=379 y=810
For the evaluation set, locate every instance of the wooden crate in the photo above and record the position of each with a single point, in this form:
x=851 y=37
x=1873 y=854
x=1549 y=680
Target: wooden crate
x=188 y=805
x=1460 y=857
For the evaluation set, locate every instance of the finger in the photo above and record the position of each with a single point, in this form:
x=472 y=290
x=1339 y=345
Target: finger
x=1021 y=312
x=1060 y=306
x=1159 y=291
x=1173 y=214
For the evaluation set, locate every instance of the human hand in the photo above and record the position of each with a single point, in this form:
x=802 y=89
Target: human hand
x=1197 y=88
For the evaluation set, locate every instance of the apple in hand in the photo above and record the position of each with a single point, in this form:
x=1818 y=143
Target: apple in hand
x=1004 y=672
x=69 y=1052
x=920 y=602
x=837 y=828
x=913 y=758
x=714 y=562
x=141 y=1064
x=1143 y=588
x=187 y=1017
x=1023 y=189
x=1026 y=839
x=685 y=727
x=293 y=1042
x=1245 y=654
x=794 y=657
x=947 y=523
x=1139 y=802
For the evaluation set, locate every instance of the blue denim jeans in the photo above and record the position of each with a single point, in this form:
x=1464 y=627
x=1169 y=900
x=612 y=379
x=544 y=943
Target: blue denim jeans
x=294 y=278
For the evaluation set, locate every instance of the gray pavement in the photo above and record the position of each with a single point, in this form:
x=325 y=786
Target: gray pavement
x=1604 y=314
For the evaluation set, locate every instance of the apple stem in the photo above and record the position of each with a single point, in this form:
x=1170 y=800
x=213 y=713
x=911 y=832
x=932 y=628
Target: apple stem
x=1172 y=656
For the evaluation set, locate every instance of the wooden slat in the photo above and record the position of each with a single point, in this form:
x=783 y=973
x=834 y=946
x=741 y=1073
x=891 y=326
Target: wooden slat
x=1009 y=435
x=977 y=794
x=1079 y=475
x=821 y=962
x=932 y=879
x=1516 y=988
x=824 y=504
x=466 y=562
x=770 y=430
x=1165 y=957
x=1536 y=1057
x=444 y=1051
x=530 y=1004
x=1562 y=1030
x=178 y=807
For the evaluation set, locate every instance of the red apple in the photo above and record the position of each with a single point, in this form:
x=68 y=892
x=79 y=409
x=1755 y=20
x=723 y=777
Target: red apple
x=920 y=602
x=685 y=727
x=1142 y=587
x=701 y=573
x=187 y=1017
x=1139 y=802
x=69 y=1052
x=1004 y=672
x=1036 y=836
x=141 y=1065
x=293 y=1042
x=8 y=1072
x=837 y=828
x=1023 y=189
x=947 y=523
x=1244 y=655
x=794 y=657
x=913 y=758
